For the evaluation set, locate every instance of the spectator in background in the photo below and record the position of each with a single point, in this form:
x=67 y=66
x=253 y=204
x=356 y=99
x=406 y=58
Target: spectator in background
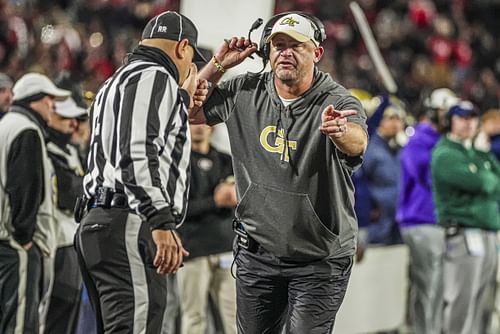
x=415 y=215
x=80 y=137
x=62 y=314
x=5 y=93
x=208 y=235
x=27 y=230
x=466 y=189
x=489 y=134
x=380 y=172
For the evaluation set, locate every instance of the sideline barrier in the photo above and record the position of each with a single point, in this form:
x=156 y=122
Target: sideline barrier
x=376 y=298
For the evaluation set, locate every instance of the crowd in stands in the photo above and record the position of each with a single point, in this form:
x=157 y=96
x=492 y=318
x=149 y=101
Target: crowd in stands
x=426 y=43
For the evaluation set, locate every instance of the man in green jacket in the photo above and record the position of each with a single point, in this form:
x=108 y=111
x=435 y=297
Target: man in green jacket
x=466 y=189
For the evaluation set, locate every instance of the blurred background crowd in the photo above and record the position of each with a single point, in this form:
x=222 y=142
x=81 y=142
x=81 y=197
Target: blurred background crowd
x=427 y=44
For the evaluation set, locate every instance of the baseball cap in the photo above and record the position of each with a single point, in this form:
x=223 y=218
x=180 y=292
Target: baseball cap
x=176 y=27
x=394 y=110
x=463 y=109
x=5 y=81
x=441 y=98
x=32 y=84
x=69 y=109
x=296 y=26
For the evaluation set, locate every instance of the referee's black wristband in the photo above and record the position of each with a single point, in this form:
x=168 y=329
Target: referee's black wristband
x=186 y=99
x=162 y=220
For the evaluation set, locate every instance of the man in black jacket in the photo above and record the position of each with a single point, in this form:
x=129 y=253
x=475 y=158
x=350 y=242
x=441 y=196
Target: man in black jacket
x=208 y=235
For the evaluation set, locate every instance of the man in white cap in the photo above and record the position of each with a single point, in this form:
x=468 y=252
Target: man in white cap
x=62 y=313
x=27 y=231
x=296 y=136
x=416 y=215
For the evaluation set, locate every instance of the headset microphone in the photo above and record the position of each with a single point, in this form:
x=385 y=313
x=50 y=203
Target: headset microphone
x=255 y=26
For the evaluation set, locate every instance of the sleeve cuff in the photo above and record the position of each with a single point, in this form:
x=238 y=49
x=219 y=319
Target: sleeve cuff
x=186 y=99
x=22 y=239
x=162 y=220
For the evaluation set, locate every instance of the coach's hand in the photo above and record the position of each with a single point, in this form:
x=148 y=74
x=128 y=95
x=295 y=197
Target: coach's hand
x=169 y=251
x=234 y=51
x=334 y=122
x=349 y=137
x=191 y=83
x=201 y=93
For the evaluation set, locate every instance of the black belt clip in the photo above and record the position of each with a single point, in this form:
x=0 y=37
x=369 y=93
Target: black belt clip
x=244 y=241
x=81 y=207
x=452 y=230
x=107 y=198
x=103 y=197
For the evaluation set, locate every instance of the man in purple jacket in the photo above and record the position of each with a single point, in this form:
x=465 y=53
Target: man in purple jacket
x=416 y=217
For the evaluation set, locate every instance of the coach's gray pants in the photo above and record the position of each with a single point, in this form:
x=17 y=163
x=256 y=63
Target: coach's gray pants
x=469 y=284
x=427 y=247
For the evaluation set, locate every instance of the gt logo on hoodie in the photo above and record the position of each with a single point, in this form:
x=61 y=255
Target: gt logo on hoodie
x=280 y=145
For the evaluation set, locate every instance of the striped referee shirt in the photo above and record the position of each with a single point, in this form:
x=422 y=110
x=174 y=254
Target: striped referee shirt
x=140 y=141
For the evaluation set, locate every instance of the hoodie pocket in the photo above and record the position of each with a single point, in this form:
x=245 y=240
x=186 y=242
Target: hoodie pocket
x=285 y=224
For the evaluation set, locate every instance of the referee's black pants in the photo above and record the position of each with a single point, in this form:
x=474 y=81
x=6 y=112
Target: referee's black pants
x=116 y=253
x=275 y=297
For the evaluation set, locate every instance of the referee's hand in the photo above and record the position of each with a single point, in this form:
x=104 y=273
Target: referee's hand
x=169 y=251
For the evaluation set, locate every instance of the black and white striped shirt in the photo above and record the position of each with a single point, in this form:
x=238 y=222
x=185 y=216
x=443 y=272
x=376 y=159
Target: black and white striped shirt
x=140 y=141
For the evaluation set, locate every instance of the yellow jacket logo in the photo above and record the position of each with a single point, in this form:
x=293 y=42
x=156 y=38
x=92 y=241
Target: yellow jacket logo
x=280 y=145
x=289 y=21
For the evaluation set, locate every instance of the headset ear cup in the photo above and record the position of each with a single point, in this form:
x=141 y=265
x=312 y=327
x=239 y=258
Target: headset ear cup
x=263 y=46
x=319 y=31
x=447 y=122
x=265 y=51
x=433 y=115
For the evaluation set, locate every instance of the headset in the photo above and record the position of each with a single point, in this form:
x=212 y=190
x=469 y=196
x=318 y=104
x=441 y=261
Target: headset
x=263 y=51
x=437 y=101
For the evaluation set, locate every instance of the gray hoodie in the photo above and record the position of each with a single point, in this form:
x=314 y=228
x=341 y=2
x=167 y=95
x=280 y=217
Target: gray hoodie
x=296 y=197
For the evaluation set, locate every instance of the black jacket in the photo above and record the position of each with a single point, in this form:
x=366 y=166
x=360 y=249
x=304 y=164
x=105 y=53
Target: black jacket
x=207 y=229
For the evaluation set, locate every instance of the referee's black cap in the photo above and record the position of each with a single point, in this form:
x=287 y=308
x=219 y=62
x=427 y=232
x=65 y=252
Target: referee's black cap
x=174 y=26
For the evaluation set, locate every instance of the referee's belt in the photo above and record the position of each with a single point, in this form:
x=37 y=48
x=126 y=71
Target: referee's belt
x=108 y=198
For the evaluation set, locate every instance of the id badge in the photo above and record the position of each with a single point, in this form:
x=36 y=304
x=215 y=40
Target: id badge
x=225 y=260
x=474 y=241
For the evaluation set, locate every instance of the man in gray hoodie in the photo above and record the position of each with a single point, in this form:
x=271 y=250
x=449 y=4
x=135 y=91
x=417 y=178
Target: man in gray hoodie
x=296 y=136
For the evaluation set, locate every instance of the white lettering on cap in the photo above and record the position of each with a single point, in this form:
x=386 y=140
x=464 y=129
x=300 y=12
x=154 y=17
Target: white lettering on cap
x=162 y=28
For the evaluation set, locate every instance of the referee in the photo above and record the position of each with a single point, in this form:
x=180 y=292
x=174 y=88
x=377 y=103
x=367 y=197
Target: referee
x=137 y=179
